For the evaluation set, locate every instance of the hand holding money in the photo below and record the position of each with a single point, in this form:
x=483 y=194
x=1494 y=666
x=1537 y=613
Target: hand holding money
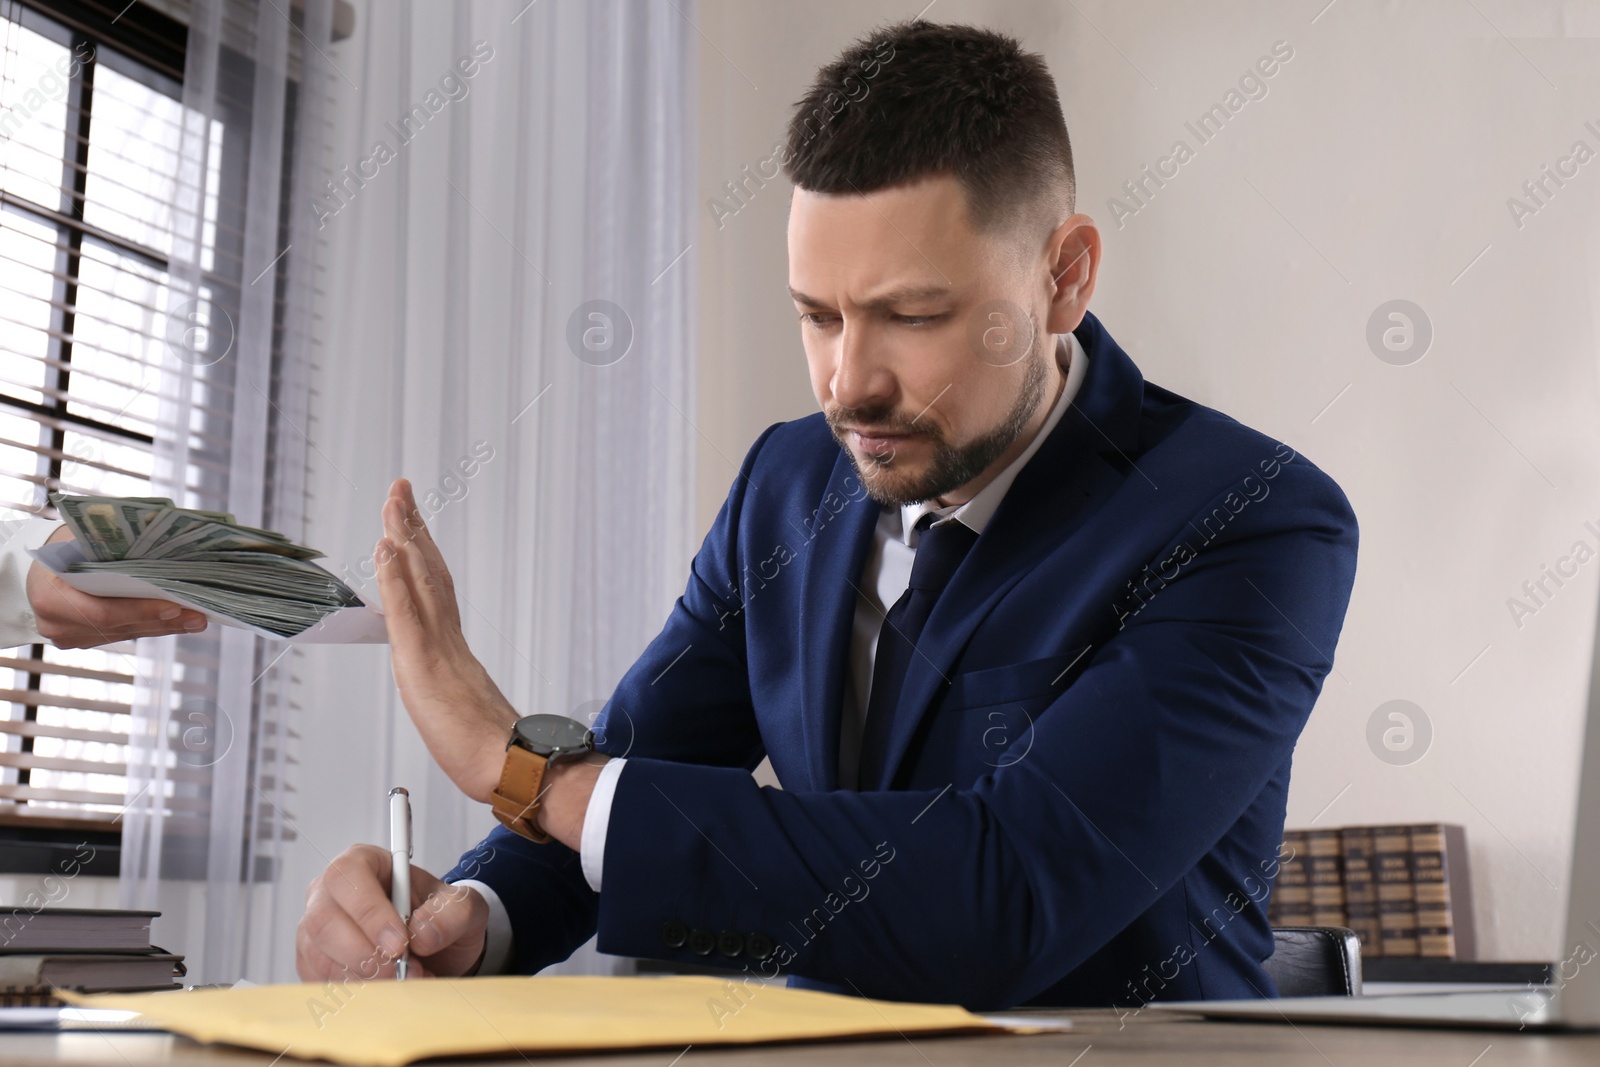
x=206 y=560
x=68 y=618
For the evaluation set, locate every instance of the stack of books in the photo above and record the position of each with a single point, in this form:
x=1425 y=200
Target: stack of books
x=1404 y=889
x=93 y=950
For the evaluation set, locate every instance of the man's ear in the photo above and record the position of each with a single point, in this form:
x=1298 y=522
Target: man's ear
x=1074 y=262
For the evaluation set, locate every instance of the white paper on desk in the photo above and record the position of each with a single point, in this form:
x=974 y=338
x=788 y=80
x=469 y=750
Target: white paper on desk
x=362 y=625
x=1029 y=1020
x=70 y=1019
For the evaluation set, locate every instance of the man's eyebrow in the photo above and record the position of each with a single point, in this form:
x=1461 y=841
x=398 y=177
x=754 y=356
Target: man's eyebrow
x=904 y=295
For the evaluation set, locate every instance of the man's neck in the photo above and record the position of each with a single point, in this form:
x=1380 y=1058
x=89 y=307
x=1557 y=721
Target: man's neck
x=1036 y=422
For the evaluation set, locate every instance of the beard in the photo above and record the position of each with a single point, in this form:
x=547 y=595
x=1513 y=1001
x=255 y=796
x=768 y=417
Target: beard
x=887 y=481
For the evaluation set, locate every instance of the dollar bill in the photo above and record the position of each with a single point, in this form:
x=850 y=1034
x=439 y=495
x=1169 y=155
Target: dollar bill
x=173 y=523
x=109 y=526
x=137 y=515
x=98 y=524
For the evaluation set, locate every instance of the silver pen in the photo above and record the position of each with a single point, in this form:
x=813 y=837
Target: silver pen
x=400 y=856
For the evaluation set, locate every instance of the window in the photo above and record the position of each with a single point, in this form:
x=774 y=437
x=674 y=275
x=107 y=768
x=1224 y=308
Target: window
x=90 y=119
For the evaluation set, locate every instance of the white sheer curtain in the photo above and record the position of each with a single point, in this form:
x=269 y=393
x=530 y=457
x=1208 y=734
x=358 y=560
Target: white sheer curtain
x=208 y=764
x=498 y=167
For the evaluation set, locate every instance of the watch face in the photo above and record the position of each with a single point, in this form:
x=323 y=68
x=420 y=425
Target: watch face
x=544 y=734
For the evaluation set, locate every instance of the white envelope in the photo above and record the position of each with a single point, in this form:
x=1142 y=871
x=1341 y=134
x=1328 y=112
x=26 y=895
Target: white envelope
x=362 y=625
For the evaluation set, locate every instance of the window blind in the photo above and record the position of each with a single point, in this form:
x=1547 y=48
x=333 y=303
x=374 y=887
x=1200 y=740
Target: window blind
x=89 y=130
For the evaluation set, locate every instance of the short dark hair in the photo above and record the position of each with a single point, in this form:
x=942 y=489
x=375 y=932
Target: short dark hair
x=915 y=99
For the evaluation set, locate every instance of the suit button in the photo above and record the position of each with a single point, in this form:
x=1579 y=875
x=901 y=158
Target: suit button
x=729 y=943
x=758 y=945
x=674 y=933
x=701 y=942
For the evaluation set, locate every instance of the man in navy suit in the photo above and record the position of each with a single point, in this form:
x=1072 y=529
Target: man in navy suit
x=1027 y=639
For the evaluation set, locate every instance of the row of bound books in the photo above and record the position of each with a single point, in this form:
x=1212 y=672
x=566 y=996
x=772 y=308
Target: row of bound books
x=1404 y=889
x=94 y=950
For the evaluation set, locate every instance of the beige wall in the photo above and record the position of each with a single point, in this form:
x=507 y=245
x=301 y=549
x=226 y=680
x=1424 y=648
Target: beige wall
x=1378 y=166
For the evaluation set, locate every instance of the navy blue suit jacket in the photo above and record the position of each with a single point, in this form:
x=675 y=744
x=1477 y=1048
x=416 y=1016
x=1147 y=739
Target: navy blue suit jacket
x=1090 y=770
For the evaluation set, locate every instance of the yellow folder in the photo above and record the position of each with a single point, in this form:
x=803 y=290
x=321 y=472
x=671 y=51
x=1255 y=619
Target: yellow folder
x=387 y=1023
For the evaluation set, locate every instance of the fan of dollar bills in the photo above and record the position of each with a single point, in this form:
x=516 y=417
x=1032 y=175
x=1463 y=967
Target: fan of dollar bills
x=258 y=577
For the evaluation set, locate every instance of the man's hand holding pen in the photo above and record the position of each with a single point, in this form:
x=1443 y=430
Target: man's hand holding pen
x=352 y=932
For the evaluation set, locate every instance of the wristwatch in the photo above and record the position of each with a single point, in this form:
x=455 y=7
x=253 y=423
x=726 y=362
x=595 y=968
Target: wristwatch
x=536 y=742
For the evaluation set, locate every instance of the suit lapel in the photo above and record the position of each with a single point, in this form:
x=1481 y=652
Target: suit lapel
x=830 y=574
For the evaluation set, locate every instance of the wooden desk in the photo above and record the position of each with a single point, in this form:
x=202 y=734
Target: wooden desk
x=1095 y=1040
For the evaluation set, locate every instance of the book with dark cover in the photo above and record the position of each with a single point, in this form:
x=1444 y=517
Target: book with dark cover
x=1290 y=903
x=1360 y=889
x=1397 y=913
x=1442 y=892
x=74 y=930
x=1326 y=864
x=88 y=972
x=1482 y=972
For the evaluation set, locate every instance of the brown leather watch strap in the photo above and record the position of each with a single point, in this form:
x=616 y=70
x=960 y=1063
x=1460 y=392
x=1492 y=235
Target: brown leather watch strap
x=516 y=800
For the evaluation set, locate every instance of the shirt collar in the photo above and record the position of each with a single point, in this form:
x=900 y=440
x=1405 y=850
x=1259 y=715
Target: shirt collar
x=975 y=513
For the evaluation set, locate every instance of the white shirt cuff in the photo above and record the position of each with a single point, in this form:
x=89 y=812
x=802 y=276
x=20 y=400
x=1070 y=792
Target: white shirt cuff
x=17 y=624
x=497 y=939
x=596 y=819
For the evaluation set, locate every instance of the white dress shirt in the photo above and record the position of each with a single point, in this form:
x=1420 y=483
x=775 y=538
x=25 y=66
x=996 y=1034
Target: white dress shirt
x=17 y=624
x=885 y=577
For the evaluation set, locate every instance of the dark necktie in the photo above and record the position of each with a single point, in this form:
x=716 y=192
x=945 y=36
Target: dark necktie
x=940 y=550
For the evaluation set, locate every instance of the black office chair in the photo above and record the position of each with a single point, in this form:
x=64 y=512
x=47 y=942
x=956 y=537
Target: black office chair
x=1315 y=961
